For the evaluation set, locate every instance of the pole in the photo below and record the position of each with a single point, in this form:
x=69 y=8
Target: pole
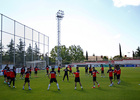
x=24 y=45
x=38 y=42
x=32 y=47
x=48 y=52
x=1 y=40
x=14 y=40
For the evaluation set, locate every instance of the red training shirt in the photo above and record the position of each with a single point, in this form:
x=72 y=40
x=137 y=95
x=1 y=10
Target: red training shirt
x=53 y=74
x=77 y=73
x=110 y=71
x=94 y=73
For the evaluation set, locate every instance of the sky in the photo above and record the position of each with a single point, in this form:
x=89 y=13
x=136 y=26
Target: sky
x=98 y=26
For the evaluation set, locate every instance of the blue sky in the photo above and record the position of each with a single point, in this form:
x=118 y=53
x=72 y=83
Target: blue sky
x=98 y=26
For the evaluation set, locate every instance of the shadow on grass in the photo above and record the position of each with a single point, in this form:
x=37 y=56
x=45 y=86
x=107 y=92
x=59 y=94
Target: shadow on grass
x=100 y=88
x=55 y=91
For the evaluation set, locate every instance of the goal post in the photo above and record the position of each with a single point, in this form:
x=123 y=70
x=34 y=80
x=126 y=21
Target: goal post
x=39 y=63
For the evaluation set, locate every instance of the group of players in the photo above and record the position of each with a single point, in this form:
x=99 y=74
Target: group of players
x=10 y=74
x=92 y=71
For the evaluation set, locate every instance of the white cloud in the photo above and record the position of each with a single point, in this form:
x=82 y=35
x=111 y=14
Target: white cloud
x=123 y=3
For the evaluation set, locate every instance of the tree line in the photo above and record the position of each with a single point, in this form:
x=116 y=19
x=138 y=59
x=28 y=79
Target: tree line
x=8 y=55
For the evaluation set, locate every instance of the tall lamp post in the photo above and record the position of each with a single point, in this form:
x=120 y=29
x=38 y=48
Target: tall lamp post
x=59 y=16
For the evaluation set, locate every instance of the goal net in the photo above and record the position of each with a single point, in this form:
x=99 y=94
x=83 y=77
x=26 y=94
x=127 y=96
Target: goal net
x=39 y=63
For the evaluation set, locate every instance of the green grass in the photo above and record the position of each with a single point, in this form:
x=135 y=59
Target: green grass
x=127 y=90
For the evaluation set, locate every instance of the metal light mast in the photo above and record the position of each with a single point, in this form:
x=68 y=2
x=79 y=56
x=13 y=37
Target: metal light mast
x=59 y=15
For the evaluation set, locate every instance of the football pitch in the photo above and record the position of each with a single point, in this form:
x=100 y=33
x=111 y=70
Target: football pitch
x=128 y=89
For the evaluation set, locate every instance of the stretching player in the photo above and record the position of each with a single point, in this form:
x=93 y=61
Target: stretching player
x=53 y=79
x=77 y=78
x=59 y=69
x=110 y=71
x=22 y=72
x=5 y=74
x=66 y=74
x=47 y=70
x=86 y=69
x=30 y=71
x=35 y=69
x=118 y=74
x=94 y=77
x=8 y=75
x=90 y=70
x=12 y=76
x=27 y=79
x=115 y=72
x=70 y=71
x=102 y=71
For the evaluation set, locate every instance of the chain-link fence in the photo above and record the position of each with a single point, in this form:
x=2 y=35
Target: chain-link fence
x=20 y=43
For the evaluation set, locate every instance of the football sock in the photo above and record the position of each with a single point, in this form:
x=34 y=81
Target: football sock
x=49 y=86
x=57 y=85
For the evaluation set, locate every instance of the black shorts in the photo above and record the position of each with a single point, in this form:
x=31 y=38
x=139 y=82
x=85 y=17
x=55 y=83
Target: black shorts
x=70 y=71
x=22 y=73
x=47 y=71
x=27 y=80
x=5 y=75
x=30 y=72
x=58 y=71
x=90 y=71
x=8 y=78
x=53 y=80
x=77 y=79
x=110 y=78
x=118 y=76
x=35 y=72
x=12 y=79
x=102 y=71
x=86 y=70
x=94 y=78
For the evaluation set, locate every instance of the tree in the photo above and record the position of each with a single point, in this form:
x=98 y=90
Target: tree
x=120 y=50
x=137 y=53
x=20 y=52
x=66 y=58
x=133 y=54
x=10 y=51
x=117 y=57
x=76 y=53
x=36 y=52
x=29 y=52
x=105 y=58
x=86 y=55
x=71 y=54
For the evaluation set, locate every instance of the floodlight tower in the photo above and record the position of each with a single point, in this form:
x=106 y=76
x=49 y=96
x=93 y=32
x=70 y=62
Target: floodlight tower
x=59 y=16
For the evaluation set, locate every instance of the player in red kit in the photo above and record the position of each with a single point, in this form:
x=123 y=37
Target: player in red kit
x=5 y=74
x=70 y=70
x=94 y=77
x=115 y=72
x=8 y=75
x=53 y=79
x=118 y=74
x=77 y=78
x=102 y=71
x=90 y=70
x=59 y=69
x=22 y=72
x=110 y=71
x=30 y=71
x=12 y=76
x=27 y=79
x=35 y=69
x=47 y=70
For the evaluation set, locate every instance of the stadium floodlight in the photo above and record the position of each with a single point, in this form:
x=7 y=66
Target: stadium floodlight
x=59 y=15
